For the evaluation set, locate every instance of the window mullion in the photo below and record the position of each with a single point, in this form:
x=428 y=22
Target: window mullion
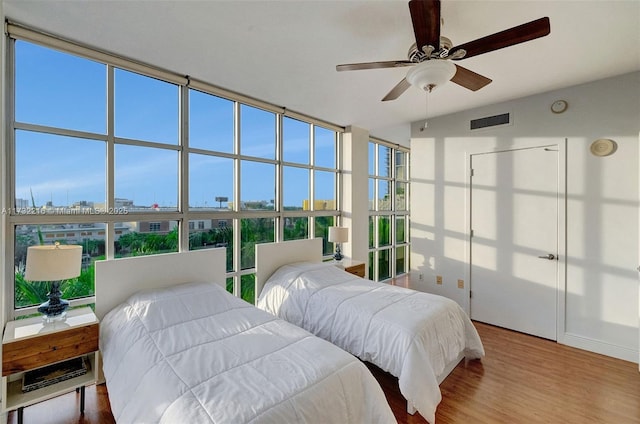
x=279 y=197
x=109 y=242
x=183 y=168
x=236 y=200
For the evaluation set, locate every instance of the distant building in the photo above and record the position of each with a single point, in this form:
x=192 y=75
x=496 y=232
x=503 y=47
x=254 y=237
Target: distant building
x=22 y=203
x=319 y=205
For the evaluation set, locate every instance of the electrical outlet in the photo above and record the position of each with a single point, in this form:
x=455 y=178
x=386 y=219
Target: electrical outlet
x=438 y=279
x=460 y=284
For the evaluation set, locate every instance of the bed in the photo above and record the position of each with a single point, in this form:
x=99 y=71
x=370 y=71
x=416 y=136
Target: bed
x=415 y=336
x=176 y=347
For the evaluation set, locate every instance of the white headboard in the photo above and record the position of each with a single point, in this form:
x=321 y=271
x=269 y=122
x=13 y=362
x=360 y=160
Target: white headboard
x=117 y=279
x=271 y=256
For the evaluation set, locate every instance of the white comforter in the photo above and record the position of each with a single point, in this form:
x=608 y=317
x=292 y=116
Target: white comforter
x=412 y=335
x=196 y=354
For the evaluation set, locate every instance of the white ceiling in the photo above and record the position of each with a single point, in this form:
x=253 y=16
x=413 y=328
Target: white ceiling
x=285 y=52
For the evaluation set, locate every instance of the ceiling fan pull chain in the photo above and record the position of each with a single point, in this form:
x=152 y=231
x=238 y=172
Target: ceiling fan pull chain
x=426 y=110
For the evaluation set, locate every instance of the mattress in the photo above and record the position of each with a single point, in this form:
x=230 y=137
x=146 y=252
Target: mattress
x=193 y=353
x=413 y=335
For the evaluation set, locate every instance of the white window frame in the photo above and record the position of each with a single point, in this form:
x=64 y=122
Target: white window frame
x=182 y=214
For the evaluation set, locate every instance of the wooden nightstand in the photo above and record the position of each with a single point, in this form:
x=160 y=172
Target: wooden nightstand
x=31 y=343
x=352 y=266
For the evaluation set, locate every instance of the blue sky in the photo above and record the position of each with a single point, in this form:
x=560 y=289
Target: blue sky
x=64 y=91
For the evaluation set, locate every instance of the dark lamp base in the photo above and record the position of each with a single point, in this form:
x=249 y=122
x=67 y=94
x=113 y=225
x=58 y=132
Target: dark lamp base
x=338 y=255
x=55 y=308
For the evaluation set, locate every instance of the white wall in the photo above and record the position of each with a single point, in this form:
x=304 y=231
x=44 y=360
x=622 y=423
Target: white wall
x=355 y=194
x=4 y=267
x=601 y=309
x=3 y=195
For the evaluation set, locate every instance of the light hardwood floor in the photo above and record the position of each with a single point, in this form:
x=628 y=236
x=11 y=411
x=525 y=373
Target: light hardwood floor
x=522 y=379
x=525 y=379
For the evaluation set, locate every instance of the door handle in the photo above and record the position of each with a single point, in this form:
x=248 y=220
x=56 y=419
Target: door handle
x=550 y=256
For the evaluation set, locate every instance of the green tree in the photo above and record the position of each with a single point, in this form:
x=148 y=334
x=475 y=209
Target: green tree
x=29 y=293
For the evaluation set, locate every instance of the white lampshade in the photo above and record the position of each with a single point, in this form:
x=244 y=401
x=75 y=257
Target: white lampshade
x=431 y=73
x=53 y=262
x=338 y=234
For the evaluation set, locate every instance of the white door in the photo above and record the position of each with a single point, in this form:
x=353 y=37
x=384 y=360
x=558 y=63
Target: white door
x=514 y=243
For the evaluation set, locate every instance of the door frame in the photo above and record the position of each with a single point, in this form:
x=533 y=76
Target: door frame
x=561 y=223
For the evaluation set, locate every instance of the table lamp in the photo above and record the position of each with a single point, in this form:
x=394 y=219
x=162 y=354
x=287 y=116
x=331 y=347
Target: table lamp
x=53 y=263
x=338 y=235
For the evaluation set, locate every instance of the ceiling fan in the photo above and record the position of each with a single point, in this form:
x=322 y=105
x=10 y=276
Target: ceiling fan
x=429 y=55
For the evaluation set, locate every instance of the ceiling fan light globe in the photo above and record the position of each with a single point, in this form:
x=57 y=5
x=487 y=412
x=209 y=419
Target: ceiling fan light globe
x=431 y=73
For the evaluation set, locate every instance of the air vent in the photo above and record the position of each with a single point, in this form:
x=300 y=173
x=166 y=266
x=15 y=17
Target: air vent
x=490 y=121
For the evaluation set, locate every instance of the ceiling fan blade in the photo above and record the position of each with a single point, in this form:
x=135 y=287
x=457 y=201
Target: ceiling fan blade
x=425 y=15
x=396 y=91
x=469 y=79
x=509 y=37
x=374 y=65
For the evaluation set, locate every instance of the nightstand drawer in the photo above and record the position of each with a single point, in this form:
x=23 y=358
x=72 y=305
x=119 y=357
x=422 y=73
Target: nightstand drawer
x=34 y=352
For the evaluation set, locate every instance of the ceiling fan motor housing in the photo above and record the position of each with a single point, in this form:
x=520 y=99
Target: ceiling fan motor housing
x=416 y=55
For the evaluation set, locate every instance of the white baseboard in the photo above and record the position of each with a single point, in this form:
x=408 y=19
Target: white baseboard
x=600 y=347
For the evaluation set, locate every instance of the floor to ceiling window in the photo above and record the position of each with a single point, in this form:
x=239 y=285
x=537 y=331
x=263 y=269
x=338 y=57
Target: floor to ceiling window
x=129 y=163
x=388 y=210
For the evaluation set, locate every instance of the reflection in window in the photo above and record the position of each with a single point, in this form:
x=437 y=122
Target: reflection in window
x=145 y=108
x=384 y=161
x=401 y=196
x=384 y=195
x=401 y=165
